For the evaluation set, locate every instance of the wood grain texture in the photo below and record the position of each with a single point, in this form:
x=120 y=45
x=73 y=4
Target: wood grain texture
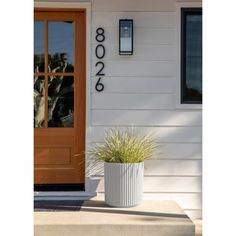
x=59 y=152
x=52 y=156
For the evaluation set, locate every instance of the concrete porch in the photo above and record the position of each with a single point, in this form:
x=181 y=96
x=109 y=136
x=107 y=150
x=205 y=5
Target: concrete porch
x=94 y=218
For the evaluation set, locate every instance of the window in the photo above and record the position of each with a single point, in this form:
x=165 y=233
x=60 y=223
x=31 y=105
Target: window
x=54 y=71
x=191 y=56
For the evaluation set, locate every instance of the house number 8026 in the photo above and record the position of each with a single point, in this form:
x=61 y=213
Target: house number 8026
x=100 y=54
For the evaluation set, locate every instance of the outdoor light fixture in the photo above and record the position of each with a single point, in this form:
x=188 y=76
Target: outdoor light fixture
x=126 y=37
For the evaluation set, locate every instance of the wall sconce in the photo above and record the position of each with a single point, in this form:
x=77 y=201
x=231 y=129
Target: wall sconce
x=126 y=37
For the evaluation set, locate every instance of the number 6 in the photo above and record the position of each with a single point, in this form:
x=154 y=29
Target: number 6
x=99 y=86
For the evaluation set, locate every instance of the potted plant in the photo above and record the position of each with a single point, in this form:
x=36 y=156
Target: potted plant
x=123 y=154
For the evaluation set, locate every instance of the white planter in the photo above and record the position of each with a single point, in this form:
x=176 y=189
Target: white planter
x=123 y=184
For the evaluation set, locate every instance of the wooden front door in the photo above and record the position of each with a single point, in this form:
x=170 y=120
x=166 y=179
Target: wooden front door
x=59 y=98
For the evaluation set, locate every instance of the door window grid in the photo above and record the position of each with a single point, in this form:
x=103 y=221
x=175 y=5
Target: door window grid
x=61 y=69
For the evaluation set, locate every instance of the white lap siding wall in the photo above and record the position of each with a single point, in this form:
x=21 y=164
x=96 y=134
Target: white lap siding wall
x=140 y=91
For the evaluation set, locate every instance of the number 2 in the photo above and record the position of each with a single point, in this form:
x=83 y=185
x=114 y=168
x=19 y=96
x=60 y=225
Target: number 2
x=101 y=69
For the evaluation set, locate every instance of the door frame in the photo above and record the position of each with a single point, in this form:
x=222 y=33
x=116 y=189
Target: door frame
x=76 y=6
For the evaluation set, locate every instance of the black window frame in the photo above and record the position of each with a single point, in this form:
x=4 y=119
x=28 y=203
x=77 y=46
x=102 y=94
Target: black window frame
x=184 y=13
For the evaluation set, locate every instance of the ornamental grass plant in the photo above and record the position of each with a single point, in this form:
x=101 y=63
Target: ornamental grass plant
x=127 y=146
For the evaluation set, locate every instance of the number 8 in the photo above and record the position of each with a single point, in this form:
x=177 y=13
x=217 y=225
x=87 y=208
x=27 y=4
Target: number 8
x=100 y=37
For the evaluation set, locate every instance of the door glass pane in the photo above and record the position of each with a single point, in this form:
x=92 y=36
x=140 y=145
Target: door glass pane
x=39 y=99
x=38 y=46
x=61 y=101
x=61 y=46
x=193 y=58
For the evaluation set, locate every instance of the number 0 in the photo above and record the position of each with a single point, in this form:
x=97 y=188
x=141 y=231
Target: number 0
x=103 y=51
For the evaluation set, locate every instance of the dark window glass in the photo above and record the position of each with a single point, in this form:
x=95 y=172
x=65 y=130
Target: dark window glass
x=61 y=46
x=61 y=101
x=38 y=46
x=39 y=99
x=191 y=58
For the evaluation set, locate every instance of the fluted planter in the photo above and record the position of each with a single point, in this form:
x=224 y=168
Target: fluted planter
x=123 y=184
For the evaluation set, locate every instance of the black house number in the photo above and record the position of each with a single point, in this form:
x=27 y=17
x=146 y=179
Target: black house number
x=100 y=54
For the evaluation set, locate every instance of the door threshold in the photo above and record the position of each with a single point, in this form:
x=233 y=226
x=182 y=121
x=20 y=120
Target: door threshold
x=63 y=195
x=59 y=187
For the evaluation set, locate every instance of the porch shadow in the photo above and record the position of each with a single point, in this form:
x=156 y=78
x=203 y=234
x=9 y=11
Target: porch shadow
x=57 y=205
x=102 y=207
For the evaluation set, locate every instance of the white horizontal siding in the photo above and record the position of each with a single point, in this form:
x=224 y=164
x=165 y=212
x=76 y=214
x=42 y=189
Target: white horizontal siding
x=137 y=5
x=159 y=168
x=132 y=101
x=141 y=19
x=142 y=52
x=181 y=151
x=178 y=151
x=136 y=68
x=144 y=36
x=151 y=74
x=188 y=1
x=161 y=134
x=136 y=85
x=173 y=167
x=146 y=118
x=167 y=184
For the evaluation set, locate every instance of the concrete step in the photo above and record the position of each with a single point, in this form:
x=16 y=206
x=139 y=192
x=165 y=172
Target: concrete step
x=152 y=218
x=198 y=227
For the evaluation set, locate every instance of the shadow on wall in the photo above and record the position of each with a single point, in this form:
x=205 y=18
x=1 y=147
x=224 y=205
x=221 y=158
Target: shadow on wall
x=93 y=183
x=178 y=133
